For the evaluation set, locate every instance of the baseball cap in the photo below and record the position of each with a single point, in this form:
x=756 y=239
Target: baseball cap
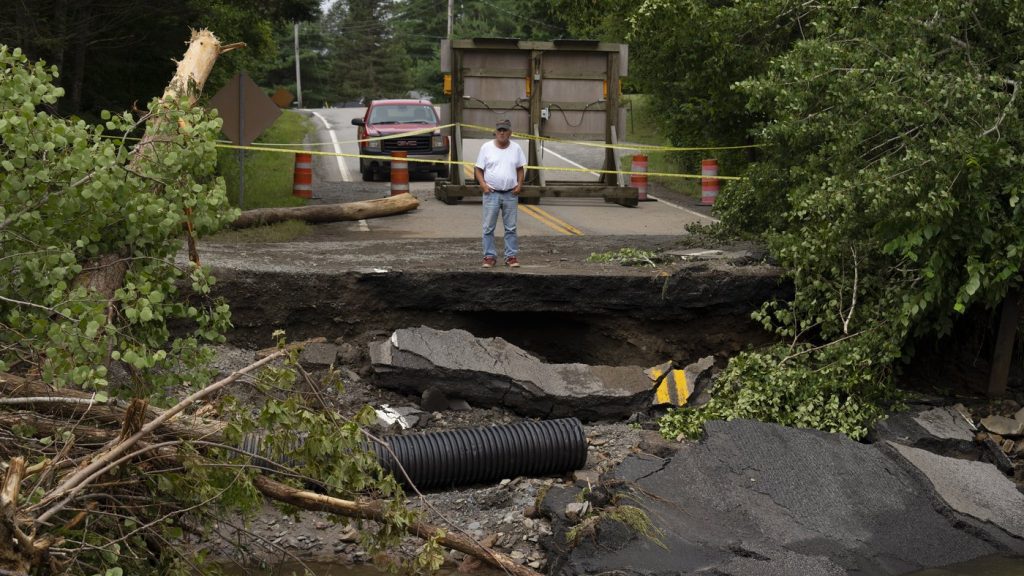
x=505 y=124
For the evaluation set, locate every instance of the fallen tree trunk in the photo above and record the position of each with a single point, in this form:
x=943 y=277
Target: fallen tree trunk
x=372 y=511
x=321 y=213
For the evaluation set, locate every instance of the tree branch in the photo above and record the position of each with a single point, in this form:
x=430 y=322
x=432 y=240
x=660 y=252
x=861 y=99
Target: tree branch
x=72 y=484
x=373 y=511
x=1006 y=108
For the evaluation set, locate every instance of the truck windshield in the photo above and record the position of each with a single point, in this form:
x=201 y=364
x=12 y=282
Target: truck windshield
x=402 y=115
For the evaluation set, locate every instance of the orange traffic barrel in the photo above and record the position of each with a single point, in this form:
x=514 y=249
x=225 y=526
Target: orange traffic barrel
x=708 y=181
x=639 y=181
x=302 y=185
x=399 y=173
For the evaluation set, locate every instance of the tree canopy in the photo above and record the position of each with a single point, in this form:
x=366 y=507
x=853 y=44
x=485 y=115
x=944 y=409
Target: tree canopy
x=113 y=53
x=887 y=186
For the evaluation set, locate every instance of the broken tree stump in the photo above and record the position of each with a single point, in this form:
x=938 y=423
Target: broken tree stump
x=321 y=213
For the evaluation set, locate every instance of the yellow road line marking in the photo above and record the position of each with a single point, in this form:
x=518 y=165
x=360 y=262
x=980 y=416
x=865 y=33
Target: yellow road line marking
x=541 y=218
x=673 y=389
x=550 y=221
x=546 y=218
x=559 y=221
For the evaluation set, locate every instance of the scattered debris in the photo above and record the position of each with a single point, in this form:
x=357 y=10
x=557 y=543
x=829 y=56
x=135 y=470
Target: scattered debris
x=404 y=417
x=1003 y=426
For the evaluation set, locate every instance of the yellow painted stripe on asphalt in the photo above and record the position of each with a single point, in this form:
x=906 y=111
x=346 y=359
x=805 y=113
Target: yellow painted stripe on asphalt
x=572 y=229
x=673 y=389
x=550 y=221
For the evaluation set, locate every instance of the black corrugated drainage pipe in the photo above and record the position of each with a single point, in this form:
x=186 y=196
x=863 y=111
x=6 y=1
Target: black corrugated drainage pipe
x=469 y=455
x=486 y=454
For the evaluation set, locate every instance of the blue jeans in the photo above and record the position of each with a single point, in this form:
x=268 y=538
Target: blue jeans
x=508 y=203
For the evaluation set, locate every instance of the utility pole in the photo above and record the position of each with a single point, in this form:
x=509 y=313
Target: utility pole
x=451 y=17
x=298 y=73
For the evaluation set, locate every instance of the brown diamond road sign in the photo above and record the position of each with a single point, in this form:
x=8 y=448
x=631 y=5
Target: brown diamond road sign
x=283 y=98
x=246 y=110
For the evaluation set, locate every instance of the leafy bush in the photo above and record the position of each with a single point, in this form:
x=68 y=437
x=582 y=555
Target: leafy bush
x=75 y=205
x=842 y=393
x=888 y=188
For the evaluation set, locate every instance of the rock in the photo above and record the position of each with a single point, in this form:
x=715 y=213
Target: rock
x=491 y=372
x=517 y=555
x=576 y=511
x=1019 y=416
x=348 y=376
x=493 y=499
x=470 y=565
x=318 y=355
x=349 y=354
x=434 y=399
x=586 y=478
x=459 y=405
x=400 y=417
x=531 y=512
x=1003 y=426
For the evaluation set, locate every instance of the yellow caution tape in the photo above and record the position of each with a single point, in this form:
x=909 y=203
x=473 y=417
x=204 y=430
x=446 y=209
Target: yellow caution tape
x=280 y=148
x=470 y=164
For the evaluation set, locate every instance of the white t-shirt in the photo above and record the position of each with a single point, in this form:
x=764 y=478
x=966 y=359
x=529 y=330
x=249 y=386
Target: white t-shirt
x=499 y=165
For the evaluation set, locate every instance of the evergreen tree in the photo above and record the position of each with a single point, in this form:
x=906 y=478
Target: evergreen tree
x=366 y=60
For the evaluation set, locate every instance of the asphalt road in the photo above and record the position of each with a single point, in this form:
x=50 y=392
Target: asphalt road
x=434 y=219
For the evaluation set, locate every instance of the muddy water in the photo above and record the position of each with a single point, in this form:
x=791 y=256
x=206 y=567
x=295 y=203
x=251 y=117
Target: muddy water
x=325 y=569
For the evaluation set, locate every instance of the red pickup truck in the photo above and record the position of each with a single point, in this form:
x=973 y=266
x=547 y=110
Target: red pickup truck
x=390 y=119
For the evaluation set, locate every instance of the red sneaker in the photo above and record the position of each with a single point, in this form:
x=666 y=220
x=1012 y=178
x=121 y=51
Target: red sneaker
x=512 y=262
x=489 y=261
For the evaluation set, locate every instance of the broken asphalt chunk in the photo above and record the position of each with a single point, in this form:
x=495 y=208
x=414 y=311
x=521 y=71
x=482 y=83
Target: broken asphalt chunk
x=490 y=372
x=674 y=386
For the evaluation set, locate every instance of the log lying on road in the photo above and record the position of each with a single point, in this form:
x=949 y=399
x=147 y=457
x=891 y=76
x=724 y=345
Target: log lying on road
x=321 y=213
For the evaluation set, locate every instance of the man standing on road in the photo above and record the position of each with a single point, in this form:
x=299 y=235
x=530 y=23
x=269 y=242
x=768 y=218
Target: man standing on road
x=500 y=170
